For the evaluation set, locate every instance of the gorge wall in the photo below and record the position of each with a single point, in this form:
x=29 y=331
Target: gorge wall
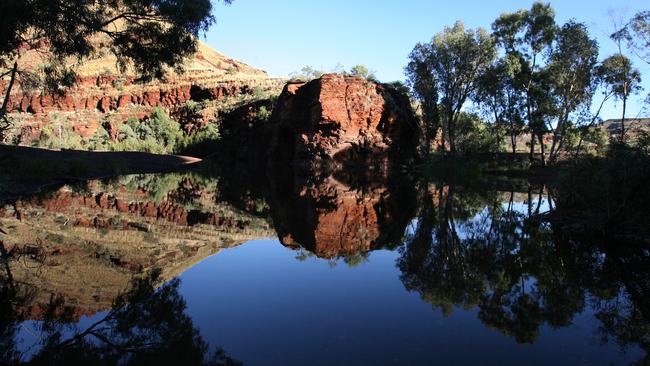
x=104 y=94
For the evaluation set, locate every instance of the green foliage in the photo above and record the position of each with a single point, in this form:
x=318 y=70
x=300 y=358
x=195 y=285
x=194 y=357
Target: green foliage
x=307 y=73
x=356 y=260
x=637 y=34
x=157 y=186
x=643 y=142
x=206 y=134
x=363 y=71
x=146 y=35
x=158 y=134
x=263 y=114
x=475 y=136
x=5 y=127
x=159 y=129
x=572 y=83
x=447 y=69
x=59 y=135
x=422 y=81
x=146 y=324
x=618 y=71
x=526 y=37
x=500 y=98
x=70 y=25
x=587 y=139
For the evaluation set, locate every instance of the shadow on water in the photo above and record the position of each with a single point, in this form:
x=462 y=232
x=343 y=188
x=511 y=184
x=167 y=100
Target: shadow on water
x=499 y=249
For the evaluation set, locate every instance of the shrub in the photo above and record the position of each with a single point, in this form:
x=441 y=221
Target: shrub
x=610 y=190
x=307 y=73
x=363 y=71
x=205 y=135
x=57 y=135
x=158 y=134
x=263 y=113
x=474 y=135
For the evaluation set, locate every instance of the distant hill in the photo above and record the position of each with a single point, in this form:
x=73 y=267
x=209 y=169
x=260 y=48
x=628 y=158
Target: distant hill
x=633 y=125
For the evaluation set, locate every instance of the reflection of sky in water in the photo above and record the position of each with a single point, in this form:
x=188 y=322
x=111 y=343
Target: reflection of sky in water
x=29 y=338
x=264 y=307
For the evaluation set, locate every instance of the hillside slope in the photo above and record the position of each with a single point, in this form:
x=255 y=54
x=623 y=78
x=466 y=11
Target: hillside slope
x=104 y=94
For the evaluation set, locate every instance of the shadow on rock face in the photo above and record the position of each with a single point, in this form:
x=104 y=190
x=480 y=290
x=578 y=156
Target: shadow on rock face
x=342 y=121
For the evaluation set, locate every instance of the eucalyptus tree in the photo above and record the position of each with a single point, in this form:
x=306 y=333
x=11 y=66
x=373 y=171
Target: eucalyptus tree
x=637 y=34
x=624 y=79
x=638 y=30
x=571 y=69
x=528 y=35
x=148 y=35
x=498 y=94
x=601 y=73
x=455 y=58
x=422 y=82
x=609 y=79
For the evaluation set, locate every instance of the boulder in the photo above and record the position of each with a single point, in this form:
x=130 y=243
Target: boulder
x=342 y=120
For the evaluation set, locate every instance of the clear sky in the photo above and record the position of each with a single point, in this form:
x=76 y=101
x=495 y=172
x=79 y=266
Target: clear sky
x=282 y=36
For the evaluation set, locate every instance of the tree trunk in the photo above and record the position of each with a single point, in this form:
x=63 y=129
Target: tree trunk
x=5 y=103
x=551 y=156
x=452 y=138
x=623 y=119
x=542 y=148
x=451 y=130
x=532 y=146
x=443 y=138
x=590 y=125
x=558 y=136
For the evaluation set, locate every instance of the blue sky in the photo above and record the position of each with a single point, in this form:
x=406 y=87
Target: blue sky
x=282 y=36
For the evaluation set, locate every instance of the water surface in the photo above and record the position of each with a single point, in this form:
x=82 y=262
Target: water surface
x=317 y=272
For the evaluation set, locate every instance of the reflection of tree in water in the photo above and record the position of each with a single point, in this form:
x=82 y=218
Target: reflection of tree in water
x=145 y=326
x=468 y=251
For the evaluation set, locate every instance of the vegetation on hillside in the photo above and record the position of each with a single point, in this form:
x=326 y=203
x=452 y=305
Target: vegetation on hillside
x=145 y=35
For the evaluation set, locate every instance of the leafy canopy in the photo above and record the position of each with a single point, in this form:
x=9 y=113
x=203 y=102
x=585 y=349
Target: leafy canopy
x=146 y=34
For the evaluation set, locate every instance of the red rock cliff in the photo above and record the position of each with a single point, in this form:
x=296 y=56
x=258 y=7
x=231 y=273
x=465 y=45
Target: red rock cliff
x=342 y=119
x=103 y=92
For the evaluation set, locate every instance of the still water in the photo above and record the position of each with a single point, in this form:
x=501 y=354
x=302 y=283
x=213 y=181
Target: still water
x=321 y=272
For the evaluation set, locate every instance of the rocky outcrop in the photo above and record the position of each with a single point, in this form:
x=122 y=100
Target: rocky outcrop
x=342 y=120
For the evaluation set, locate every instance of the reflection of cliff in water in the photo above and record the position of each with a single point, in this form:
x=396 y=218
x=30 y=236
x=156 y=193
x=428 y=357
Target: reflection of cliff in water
x=340 y=215
x=86 y=242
